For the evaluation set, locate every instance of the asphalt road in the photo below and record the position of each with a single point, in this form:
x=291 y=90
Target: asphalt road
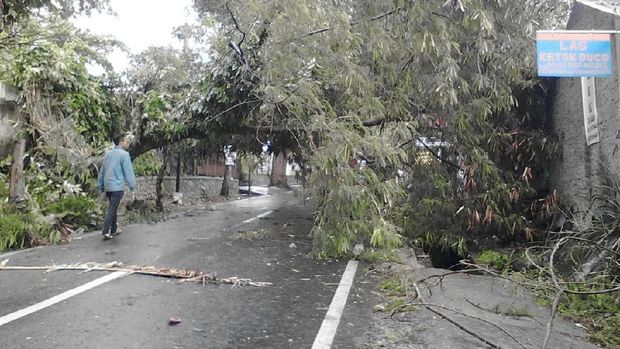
x=133 y=311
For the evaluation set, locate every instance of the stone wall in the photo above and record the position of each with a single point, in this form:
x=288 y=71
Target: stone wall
x=193 y=188
x=263 y=180
x=577 y=173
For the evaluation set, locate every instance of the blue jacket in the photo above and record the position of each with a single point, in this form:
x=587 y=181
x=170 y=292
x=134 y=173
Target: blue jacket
x=115 y=171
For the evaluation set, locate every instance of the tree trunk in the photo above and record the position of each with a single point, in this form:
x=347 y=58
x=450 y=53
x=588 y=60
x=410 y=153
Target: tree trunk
x=278 y=170
x=226 y=182
x=159 y=203
x=178 y=182
x=16 y=186
x=250 y=180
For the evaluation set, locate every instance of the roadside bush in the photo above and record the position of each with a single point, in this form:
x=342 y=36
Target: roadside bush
x=147 y=164
x=4 y=196
x=4 y=190
x=76 y=210
x=21 y=230
x=13 y=231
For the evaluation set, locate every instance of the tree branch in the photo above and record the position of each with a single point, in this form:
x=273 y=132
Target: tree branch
x=237 y=47
x=428 y=306
x=375 y=18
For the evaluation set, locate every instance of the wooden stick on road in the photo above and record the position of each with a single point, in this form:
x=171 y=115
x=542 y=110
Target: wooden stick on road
x=183 y=275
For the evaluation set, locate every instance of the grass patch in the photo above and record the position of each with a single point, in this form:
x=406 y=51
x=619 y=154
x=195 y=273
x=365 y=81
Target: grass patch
x=494 y=259
x=376 y=256
x=395 y=291
x=393 y=287
x=600 y=313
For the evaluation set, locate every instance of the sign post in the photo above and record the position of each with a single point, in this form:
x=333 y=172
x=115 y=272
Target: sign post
x=590 y=114
x=582 y=54
x=573 y=54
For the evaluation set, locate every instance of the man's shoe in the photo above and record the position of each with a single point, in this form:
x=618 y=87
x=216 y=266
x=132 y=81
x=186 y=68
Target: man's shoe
x=117 y=232
x=107 y=236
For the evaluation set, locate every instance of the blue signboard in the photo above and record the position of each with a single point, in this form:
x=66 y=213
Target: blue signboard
x=573 y=54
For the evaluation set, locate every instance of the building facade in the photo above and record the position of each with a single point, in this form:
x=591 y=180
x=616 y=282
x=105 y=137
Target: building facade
x=586 y=157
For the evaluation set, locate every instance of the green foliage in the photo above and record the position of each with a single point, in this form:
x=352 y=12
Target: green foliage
x=13 y=231
x=53 y=201
x=63 y=105
x=355 y=202
x=393 y=287
x=599 y=312
x=147 y=164
x=159 y=119
x=15 y=10
x=495 y=260
x=19 y=230
x=4 y=190
x=442 y=242
x=77 y=211
x=449 y=127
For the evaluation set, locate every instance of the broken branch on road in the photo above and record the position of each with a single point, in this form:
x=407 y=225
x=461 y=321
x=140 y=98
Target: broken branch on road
x=181 y=274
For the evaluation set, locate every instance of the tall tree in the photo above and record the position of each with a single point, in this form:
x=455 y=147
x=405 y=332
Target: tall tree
x=438 y=91
x=13 y=11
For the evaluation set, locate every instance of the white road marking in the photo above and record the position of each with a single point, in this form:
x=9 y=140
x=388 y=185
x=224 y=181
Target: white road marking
x=326 y=334
x=61 y=297
x=265 y=214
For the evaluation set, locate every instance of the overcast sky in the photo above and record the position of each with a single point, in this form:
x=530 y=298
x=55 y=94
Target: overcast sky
x=139 y=24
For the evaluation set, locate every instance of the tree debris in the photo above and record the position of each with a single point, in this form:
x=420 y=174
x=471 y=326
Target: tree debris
x=181 y=274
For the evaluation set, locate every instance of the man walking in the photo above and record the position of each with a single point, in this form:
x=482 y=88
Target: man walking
x=115 y=171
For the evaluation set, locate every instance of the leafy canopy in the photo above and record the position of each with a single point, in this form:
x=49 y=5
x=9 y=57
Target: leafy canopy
x=379 y=82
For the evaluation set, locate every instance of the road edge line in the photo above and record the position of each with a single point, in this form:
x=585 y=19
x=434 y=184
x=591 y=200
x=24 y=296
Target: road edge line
x=329 y=327
x=59 y=298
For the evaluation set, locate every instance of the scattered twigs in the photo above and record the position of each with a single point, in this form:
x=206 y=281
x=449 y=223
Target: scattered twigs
x=426 y=305
x=183 y=275
x=475 y=318
x=474 y=268
x=429 y=307
x=554 y=310
x=560 y=288
x=549 y=271
x=440 y=277
x=498 y=311
x=590 y=242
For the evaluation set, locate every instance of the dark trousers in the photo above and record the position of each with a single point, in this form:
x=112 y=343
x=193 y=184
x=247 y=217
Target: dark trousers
x=114 y=197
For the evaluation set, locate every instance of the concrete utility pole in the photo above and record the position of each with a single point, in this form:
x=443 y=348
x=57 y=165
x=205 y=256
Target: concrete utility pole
x=9 y=117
